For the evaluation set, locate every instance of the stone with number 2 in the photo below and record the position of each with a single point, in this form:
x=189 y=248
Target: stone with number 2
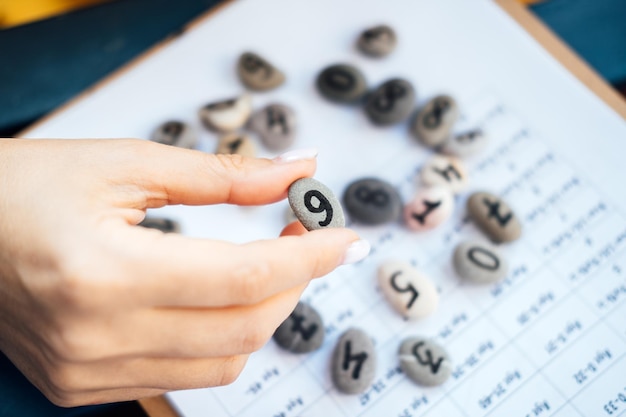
x=315 y=205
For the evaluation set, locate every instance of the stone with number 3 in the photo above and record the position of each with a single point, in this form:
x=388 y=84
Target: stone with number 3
x=407 y=290
x=424 y=362
x=315 y=205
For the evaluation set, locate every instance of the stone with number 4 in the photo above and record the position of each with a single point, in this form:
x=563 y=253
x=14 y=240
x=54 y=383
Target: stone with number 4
x=276 y=125
x=433 y=123
x=494 y=217
x=302 y=331
x=424 y=361
x=408 y=291
x=445 y=171
x=353 y=364
x=315 y=205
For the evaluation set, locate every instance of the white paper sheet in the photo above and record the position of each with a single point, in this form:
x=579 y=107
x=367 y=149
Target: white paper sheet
x=550 y=339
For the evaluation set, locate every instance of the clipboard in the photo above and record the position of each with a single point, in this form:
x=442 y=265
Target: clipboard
x=159 y=406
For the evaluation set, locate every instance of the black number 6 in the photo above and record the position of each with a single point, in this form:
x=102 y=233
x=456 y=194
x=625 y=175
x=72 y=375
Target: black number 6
x=324 y=205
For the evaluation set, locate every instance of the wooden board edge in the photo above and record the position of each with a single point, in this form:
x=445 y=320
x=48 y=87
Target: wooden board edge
x=565 y=55
x=126 y=67
x=158 y=407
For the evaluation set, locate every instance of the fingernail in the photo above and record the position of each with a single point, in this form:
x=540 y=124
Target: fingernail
x=296 y=155
x=356 y=251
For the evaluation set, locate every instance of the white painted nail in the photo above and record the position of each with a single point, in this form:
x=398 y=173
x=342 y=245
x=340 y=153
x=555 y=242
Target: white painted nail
x=356 y=251
x=296 y=155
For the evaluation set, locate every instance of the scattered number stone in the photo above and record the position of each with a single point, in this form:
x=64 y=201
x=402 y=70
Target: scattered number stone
x=257 y=73
x=302 y=331
x=377 y=41
x=494 y=217
x=391 y=102
x=445 y=171
x=429 y=208
x=408 y=291
x=227 y=115
x=276 y=125
x=342 y=83
x=353 y=362
x=479 y=262
x=372 y=201
x=433 y=123
x=175 y=133
x=161 y=223
x=424 y=361
x=236 y=144
x=465 y=144
x=315 y=205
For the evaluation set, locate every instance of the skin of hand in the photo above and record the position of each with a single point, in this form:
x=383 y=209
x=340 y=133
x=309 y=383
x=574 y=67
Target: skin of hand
x=95 y=309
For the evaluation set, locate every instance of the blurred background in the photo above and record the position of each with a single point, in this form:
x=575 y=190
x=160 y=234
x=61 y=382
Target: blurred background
x=52 y=50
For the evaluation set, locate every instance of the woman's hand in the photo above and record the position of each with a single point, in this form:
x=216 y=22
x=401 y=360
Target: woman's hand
x=94 y=309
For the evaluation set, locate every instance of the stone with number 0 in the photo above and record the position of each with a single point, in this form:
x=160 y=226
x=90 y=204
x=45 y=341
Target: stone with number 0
x=315 y=205
x=408 y=291
x=424 y=361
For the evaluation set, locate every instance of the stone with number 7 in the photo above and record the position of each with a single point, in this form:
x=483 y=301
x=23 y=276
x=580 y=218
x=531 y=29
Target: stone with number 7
x=315 y=205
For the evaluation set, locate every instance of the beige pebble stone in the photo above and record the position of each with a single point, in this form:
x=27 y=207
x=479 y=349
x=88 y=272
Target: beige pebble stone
x=433 y=123
x=227 y=115
x=236 y=144
x=257 y=73
x=445 y=171
x=408 y=291
x=430 y=207
x=494 y=217
x=465 y=144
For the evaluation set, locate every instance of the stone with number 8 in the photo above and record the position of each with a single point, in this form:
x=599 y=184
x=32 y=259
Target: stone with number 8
x=315 y=205
x=391 y=102
x=433 y=123
x=372 y=201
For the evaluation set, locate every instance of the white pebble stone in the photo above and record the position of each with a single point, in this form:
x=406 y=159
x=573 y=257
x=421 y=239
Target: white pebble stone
x=408 y=291
x=430 y=207
x=227 y=115
x=445 y=171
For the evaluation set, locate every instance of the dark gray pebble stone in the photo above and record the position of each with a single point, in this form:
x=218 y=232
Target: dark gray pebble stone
x=175 y=133
x=161 y=223
x=315 y=205
x=391 y=102
x=353 y=364
x=372 y=201
x=479 y=262
x=276 y=125
x=342 y=83
x=377 y=41
x=302 y=331
x=424 y=361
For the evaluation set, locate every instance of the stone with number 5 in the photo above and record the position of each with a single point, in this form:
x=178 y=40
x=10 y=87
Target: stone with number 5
x=407 y=290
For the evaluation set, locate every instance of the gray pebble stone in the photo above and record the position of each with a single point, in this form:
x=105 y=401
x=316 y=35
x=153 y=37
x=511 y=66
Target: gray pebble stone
x=353 y=366
x=302 y=331
x=372 y=201
x=377 y=41
x=227 y=115
x=408 y=291
x=163 y=224
x=276 y=125
x=257 y=73
x=175 y=133
x=494 y=217
x=424 y=361
x=315 y=205
x=465 y=144
x=479 y=262
x=236 y=144
x=342 y=83
x=391 y=102
x=289 y=215
x=433 y=123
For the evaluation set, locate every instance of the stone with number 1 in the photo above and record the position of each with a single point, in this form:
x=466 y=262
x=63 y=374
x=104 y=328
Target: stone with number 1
x=315 y=205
